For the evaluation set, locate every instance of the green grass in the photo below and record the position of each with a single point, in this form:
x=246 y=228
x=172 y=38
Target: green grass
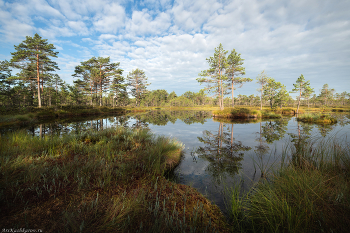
x=112 y=180
x=240 y=113
x=309 y=193
x=317 y=118
x=245 y=113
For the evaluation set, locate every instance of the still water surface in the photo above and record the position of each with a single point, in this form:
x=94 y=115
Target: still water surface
x=217 y=154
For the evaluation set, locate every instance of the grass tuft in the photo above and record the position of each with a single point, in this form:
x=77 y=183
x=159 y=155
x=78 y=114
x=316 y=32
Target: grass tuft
x=111 y=180
x=317 y=118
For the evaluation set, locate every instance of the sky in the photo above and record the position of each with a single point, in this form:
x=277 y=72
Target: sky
x=170 y=40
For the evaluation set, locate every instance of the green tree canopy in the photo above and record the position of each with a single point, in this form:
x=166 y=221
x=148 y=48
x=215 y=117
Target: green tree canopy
x=326 y=93
x=301 y=86
x=96 y=73
x=215 y=76
x=262 y=80
x=271 y=90
x=35 y=52
x=137 y=80
x=234 y=70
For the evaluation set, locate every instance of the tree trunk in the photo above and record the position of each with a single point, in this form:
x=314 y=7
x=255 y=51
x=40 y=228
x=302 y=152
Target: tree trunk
x=233 y=100
x=38 y=80
x=100 y=93
x=222 y=96
x=261 y=93
x=299 y=100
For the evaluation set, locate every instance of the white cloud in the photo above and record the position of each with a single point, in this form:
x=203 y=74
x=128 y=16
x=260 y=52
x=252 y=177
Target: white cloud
x=190 y=16
x=78 y=27
x=12 y=29
x=171 y=40
x=53 y=32
x=110 y=19
x=142 y=23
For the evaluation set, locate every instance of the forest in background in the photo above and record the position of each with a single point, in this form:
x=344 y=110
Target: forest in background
x=99 y=82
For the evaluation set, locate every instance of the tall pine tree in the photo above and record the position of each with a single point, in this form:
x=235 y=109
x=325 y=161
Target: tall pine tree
x=300 y=86
x=35 y=52
x=138 y=82
x=234 y=70
x=215 y=76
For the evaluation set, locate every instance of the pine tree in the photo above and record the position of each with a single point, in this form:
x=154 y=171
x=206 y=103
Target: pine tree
x=137 y=80
x=262 y=80
x=300 y=86
x=307 y=93
x=326 y=93
x=215 y=76
x=234 y=69
x=271 y=91
x=118 y=89
x=96 y=73
x=282 y=96
x=5 y=82
x=35 y=52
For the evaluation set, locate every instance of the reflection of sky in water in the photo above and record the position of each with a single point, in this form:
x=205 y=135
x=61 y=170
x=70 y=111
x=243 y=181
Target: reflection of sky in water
x=193 y=169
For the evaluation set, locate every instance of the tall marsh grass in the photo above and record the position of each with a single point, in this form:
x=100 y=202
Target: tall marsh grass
x=309 y=193
x=104 y=181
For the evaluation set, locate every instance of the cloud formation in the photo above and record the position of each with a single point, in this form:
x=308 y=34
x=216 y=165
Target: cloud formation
x=171 y=40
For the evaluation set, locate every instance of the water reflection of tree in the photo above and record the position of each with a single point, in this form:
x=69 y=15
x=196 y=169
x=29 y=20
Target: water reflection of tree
x=261 y=150
x=274 y=130
x=324 y=129
x=222 y=152
x=163 y=117
x=299 y=141
x=343 y=120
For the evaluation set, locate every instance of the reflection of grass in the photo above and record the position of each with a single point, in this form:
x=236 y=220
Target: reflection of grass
x=58 y=112
x=104 y=181
x=242 y=113
x=316 y=118
x=245 y=113
x=309 y=194
x=341 y=109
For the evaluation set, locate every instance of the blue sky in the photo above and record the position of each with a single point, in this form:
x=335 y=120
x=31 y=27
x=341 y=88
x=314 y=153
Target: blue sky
x=170 y=40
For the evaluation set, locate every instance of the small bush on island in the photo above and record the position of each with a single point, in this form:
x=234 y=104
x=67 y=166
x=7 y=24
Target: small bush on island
x=245 y=113
x=242 y=113
x=317 y=118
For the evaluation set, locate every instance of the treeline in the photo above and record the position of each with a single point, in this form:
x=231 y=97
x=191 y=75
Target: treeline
x=224 y=76
x=99 y=82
